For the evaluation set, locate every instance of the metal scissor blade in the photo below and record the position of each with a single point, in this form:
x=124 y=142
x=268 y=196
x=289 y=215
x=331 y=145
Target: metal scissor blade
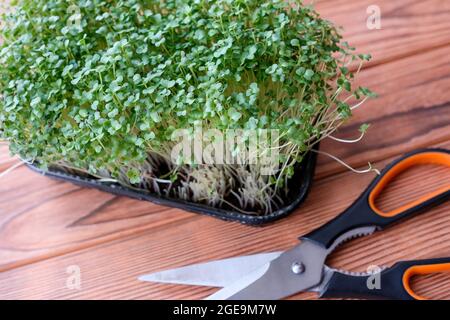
x=218 y=273
x=276 y=279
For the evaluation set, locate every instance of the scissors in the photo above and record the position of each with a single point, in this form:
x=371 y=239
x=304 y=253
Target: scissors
x=277 y=275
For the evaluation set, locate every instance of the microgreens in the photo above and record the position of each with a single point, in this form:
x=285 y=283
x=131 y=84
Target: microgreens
x=102 y=92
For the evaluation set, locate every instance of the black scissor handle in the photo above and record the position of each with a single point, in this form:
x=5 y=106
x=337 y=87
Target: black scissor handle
x=392 y=283
x=364 y=213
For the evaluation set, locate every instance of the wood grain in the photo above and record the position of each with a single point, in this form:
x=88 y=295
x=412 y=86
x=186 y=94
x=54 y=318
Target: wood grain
x=110 y=270
x=407 y=26
x=40 y=217
x=47 y=226
x=64 y=214
x=409 y=89
x=430 y=286
x=6 y=161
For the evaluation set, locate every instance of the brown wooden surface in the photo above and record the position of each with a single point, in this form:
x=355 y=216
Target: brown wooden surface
x=47 y=226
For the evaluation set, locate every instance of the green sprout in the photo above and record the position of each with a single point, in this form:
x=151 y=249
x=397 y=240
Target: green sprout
x=100 y=90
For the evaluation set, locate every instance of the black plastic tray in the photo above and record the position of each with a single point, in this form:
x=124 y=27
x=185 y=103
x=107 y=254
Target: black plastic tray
x=298 y=189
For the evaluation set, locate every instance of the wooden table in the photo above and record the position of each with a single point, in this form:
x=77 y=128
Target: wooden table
x=50 y=230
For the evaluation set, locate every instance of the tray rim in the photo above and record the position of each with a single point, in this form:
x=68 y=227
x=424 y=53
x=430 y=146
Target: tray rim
x=307 y=168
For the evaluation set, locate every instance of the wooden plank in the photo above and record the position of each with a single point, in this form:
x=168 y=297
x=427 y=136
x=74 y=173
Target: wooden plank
x=109 y=270
x=38 y=215
x=409 y=89
x=6 y=161
x=41 y=217
x=407 y=26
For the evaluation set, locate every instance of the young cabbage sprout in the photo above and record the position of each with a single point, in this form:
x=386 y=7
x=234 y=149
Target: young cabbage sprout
x=100 y=88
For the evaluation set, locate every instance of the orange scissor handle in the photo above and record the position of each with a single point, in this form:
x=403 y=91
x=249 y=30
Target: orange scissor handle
x=364 y=216
x=364 y=213
x=426 y=267
x=391 y=283
x=431 y=157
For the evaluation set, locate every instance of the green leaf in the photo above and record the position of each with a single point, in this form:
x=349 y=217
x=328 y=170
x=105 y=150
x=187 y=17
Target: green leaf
x=344 y=70
x=83 y=113
x=115 y=124
x=300 y=71
x=155 y=117
x=134 y=176
x=234 y=114
x=94 y=105
x=363 y=128
x=149 y=136
x=35 y=101
x=272 y=69
x=106 y=95
x=308 y=74
x=67 y=69
x=295 y=42
x=144 y=126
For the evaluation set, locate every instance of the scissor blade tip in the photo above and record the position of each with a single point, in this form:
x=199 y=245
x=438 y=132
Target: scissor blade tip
x=154 y=277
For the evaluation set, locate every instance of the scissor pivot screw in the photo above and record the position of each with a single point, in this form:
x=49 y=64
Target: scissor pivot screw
x=298 y=267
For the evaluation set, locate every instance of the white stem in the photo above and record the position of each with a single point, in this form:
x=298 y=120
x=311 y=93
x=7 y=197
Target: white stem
x=348 y=166
x=26 y=161
x=107 y=180
x=161 y=180
x=347 y=140
x=359 y=67
x=359 y=104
